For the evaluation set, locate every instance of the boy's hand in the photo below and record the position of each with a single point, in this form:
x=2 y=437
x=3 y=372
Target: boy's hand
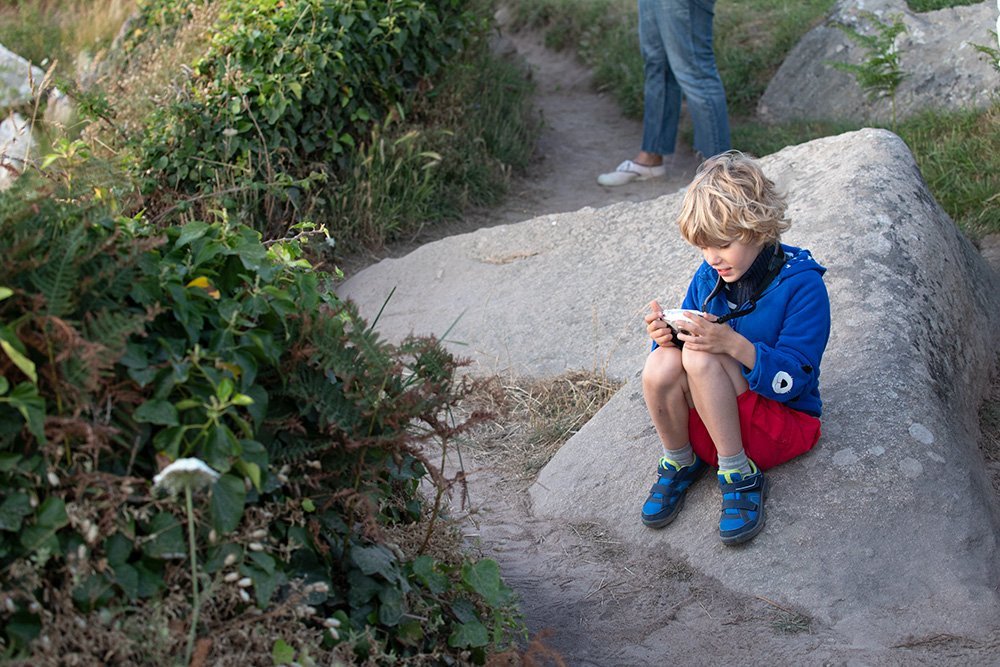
x=658 y=330
x=704 y=335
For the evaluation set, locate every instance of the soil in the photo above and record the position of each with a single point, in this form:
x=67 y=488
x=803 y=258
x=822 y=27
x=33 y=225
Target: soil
x=590 y=599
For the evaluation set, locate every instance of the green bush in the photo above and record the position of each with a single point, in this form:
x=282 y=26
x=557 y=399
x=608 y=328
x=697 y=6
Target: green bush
x=289 y=90
x=125 y=347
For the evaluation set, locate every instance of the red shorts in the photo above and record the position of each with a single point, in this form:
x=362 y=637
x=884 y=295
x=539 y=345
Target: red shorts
x=773 y=433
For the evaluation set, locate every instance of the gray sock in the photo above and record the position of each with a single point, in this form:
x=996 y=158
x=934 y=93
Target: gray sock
x=680 y=457
x=736 y=462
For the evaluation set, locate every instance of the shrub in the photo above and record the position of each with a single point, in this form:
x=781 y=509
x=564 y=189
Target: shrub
x=287 y=92
x=125 y=347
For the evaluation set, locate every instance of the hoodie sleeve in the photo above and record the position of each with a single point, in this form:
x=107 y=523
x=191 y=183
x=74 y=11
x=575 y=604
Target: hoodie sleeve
x=788 y=368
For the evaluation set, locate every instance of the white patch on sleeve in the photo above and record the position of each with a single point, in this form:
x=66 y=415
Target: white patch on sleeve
x=782 y=383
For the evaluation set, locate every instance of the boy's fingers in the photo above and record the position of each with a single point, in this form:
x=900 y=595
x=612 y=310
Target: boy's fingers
x=654 y=306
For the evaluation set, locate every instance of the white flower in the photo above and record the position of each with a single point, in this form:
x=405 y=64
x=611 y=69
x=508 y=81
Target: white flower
x=191 y=473
x=230 y=132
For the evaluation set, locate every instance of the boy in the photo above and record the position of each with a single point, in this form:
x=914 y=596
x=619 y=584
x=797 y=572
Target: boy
x=736 y=388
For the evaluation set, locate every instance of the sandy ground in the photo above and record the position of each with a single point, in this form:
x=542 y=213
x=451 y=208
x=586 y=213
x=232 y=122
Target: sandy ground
x=598 y=602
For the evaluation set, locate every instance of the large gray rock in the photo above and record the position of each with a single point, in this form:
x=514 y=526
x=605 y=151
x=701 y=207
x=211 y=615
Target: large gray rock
x=943 y=68
x=18 y=79
x=17 y=148
x=888 y=527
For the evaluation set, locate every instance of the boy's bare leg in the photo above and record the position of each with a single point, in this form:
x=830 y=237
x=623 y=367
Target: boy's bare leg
x=664 y=386
x=714 y=382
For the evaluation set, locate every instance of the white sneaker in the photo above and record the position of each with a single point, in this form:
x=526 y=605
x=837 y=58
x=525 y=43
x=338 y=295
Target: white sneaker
x=629 y=171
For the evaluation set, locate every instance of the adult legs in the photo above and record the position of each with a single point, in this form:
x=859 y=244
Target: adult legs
x=662 y=92
x=686 y=35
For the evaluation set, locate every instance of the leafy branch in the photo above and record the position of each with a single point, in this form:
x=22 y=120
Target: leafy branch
x=880 y=74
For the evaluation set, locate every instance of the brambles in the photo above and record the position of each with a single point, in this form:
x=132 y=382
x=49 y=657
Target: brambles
x=129 y=346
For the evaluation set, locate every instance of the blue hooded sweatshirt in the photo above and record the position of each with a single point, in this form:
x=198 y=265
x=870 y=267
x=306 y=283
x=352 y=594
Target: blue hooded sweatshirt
x=789 y=328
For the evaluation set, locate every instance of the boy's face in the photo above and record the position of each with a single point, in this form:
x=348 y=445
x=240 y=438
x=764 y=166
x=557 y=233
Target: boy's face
x=731 y=260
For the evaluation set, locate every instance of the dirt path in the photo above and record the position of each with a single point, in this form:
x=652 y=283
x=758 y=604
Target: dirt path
x=584 y=134
x=596 y=602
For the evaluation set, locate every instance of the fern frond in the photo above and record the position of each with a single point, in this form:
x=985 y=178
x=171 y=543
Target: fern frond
x=57 y=280
x=112 y=329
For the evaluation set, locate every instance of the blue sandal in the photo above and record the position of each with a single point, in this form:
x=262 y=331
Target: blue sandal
x=742 y=505
x=666 y=497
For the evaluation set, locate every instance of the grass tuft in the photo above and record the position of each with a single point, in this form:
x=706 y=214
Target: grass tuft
x=932 y=5
x=532 y=419
x=47 y=30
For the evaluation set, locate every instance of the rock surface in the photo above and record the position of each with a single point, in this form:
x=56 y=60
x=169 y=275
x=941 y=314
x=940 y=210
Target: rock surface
x=18 y=79
x=943 y=69
x=887 y=529
x=17 y=147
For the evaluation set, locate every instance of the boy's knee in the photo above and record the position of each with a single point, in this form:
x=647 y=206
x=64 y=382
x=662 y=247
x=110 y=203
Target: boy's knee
x=697 y=363
x=663 y=368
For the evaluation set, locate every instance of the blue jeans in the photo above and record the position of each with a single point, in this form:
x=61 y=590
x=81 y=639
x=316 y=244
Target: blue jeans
x=675 y=38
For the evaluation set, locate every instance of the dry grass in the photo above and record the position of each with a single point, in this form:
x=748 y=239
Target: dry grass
x=147 y=77
x=62 y=29
x=531 y=419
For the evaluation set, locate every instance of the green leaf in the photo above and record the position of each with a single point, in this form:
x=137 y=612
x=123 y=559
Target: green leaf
x=374 y=559
x=15 y=507
x=23 y=627
x=34 y=538
x=242 y=400
x=263 y=561
x=222 y=445
x=26 y=400
x=52 y=513
x=251 y=470
x=392 y=607
x=26 y=365
x=282 y=653
x=361 y=588
x=191 y=232
x=424 y=568
x=224 y=390
x=166 y=538
x=157 y=411
x=127 y=578
x=8 y=460
x=410 y=632
x=169 y=440
x=484 y=578
x=264 y=584
x=150 y=580
x=228 y=498
x=469 y=635
x=5 y=292
x=118 y=549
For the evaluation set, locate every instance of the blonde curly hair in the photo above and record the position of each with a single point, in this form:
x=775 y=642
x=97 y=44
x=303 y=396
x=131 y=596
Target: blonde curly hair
x=730 y=199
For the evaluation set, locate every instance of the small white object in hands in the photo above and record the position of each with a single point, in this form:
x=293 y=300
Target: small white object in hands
x=674 y=315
